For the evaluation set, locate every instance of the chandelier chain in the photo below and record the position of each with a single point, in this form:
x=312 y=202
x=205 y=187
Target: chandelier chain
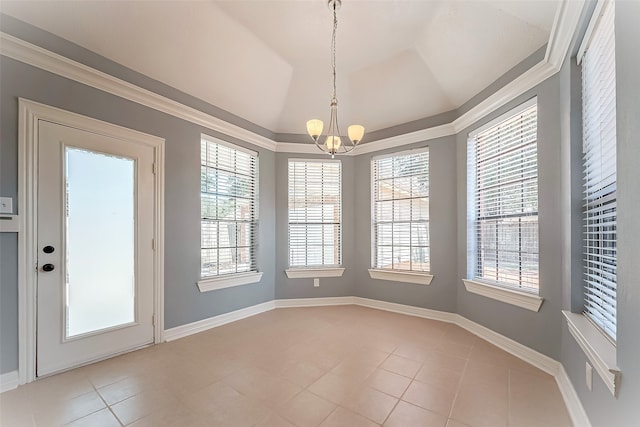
x=333 y=49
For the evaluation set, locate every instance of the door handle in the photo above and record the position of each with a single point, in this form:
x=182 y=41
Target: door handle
x=48 y=267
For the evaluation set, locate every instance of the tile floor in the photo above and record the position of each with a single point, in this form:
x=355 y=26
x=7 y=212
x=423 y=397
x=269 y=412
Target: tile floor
x=329 y=366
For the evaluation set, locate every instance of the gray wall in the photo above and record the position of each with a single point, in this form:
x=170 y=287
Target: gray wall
x=602 y=408
x=440 y=295
x=183 y=301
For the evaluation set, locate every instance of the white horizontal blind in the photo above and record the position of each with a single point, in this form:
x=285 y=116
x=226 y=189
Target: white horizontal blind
x=599 y=168
x=503 y=175
x=228 y=225
x=400 y=226
x=315 y=200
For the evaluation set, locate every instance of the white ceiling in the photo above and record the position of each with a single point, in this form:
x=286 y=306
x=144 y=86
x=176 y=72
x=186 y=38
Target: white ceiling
x=268 y=61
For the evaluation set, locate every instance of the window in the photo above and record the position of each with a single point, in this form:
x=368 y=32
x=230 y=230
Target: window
x=503 y=201
x=400 y=226
x=599 y=174
x=315 y=200
x=228 y=208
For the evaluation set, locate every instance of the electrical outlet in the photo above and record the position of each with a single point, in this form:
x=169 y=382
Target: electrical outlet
x=6 y=205
x=316 y=283
x=589 y=373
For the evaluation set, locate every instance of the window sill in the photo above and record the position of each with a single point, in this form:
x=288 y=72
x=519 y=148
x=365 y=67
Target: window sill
x=401 y=276
x=313 y=273
x=598 y=349
x=509 y=296
x=215 y=283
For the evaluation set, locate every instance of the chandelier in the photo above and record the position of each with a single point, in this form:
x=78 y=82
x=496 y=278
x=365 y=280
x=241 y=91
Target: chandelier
x=333 y=144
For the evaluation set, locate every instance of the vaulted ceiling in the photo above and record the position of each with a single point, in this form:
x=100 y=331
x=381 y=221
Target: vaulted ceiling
x=268 y=61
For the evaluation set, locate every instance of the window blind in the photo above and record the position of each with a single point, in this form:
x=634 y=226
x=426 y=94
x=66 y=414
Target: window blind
x=599 y=169
x=315 y=215
x=400 y=226
x=228 y=224
x=503 y=201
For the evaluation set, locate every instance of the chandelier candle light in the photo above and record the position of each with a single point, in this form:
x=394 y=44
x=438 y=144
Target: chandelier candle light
x=333 y=144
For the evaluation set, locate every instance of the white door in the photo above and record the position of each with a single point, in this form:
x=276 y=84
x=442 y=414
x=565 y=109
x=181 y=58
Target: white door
x=95 y=223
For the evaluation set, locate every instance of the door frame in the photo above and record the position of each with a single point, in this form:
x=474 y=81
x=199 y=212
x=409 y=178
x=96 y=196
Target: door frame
x=30 y=113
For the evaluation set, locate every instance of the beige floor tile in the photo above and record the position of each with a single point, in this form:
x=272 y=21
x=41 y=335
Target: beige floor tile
x=275 y=420
x=440 y=377
x=243 y=412
x=303 y=373
x=481 y=405
x=406 y=414
x=369 y=355
x=342 y=417
x=333 y=388
x=353 y=369
x=143 y=404
x=60 y=387
x=126 y=388
x=172 y=416
x=413 y=351
x=262 y=386
x=442 y=360
x=453 y=348
x=480 y=372
x=388 y=382
x=102 y=418
x=243 y=373
x=306 y=409
x=371 y=404
x=55 y=412
x=454 y=423
x=429 y=397
x=535 y=400
x=400 y=365
x=211 y=399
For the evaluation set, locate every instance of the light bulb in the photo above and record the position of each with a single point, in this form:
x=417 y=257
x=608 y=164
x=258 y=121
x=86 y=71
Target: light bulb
x=356 y=132
x=314 y=127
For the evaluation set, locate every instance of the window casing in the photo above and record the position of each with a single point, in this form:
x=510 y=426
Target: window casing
x=503 y=201
x=400 y=211
x=228 y=207
x=599 y=211
x=315 y=213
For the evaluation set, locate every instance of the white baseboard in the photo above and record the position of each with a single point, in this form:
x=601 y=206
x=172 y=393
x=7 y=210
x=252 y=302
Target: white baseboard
x=539 y=360
x=571 y=399
x=314 y=302
x=212 y=322
x=426 y=313
x=9 y=381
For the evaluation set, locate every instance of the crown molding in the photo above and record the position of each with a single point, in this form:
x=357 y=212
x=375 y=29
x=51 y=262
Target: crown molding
x=36 y=56
x=565 y=23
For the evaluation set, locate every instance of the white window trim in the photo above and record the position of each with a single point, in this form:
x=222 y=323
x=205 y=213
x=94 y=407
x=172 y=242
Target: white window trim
x=418 y=278
x=502 y=117
x=212 y=283
x=600 y=351
x=298 y=272
x=511 y=296
x=314 y=273
x=237 y=279
x=504 y=292
x=228 y=144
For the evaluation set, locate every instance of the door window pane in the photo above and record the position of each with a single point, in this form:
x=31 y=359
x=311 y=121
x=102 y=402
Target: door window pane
x=100 y=241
